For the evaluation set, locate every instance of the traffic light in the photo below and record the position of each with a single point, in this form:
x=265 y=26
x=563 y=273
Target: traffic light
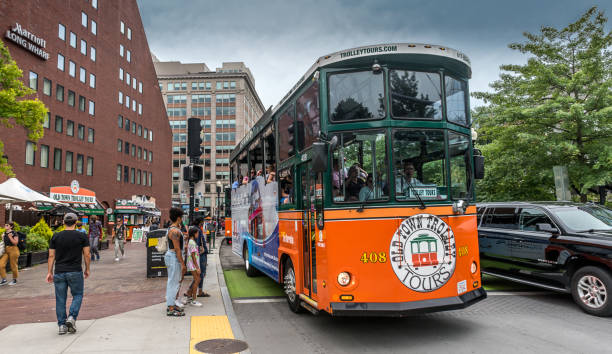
x=194 y=141
x=193 y=173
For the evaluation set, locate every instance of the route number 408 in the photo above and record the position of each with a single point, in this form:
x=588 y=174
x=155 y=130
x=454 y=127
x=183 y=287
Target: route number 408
x=373 y=257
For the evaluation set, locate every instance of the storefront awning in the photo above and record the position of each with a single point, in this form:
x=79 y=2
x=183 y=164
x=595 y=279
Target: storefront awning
x=87 y=209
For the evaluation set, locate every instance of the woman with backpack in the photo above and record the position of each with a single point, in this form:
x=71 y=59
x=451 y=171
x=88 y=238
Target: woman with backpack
x=11 y=254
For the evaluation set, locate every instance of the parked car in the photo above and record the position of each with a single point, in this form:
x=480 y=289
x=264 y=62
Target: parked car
x=565 y=247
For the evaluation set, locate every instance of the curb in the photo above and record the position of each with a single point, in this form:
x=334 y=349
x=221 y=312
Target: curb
x=227 y=303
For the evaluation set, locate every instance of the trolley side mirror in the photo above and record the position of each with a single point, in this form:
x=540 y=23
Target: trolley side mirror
x=479 y=170
x=319 y=157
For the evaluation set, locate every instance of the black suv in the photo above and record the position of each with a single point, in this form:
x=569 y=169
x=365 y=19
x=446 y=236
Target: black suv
x=565 y=247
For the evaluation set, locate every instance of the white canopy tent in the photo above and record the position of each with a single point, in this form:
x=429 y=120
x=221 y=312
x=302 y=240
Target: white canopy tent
x=12 y=191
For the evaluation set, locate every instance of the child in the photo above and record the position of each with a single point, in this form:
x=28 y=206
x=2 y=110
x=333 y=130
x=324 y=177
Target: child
x=193 y=266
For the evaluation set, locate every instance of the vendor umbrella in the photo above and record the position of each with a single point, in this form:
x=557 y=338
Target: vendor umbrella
x=20 y=193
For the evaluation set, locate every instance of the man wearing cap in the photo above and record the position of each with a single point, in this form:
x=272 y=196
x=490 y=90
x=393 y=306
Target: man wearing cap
x=67 y=250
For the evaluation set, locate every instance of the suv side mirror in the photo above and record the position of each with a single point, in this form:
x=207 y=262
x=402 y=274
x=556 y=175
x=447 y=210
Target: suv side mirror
x=319 y=157
x=479 y=171
x=544 y=227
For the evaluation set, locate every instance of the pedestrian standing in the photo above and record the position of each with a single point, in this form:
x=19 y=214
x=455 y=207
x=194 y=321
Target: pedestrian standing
x=119 y=238
x=11 y=254
x=174 y=263
x=193 y=266
x=67 y=250
x=95 y=232
x=203 y=250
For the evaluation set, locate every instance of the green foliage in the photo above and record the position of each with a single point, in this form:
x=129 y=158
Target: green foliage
x=41 y=228
x=554 y=110
x=36 y=242
x=16 y=226
x=14 y=110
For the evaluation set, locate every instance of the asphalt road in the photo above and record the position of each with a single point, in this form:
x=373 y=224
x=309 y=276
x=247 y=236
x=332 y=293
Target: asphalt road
x=549 y=323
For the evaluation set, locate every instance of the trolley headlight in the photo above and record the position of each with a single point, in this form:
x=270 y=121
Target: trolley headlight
x=474 y=267
x=344 y=278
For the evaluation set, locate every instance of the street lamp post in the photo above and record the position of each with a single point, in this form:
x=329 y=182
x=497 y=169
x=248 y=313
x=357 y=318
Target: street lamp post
x=219 y=185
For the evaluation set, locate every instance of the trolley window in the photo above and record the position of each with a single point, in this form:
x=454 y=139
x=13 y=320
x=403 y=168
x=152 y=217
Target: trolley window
x=460 y=167
x=356 y=96
x=307 y=113
x=456 y=96
x=285 y=150
x=415 y=94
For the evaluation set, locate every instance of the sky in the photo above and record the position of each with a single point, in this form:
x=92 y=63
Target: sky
x=280 y=39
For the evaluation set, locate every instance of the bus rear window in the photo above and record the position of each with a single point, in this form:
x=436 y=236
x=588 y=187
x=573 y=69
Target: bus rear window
x=356 y=96
x=415 y=94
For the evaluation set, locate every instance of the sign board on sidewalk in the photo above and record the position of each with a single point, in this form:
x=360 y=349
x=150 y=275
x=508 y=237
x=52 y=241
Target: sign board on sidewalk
x=156 y=266
x=137 y=235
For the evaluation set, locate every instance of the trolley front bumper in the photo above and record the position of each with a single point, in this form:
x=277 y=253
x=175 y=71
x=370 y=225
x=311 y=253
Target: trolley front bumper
x=400 y=309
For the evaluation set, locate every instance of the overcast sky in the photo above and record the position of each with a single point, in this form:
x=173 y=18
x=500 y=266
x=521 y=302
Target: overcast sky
x=280 y=39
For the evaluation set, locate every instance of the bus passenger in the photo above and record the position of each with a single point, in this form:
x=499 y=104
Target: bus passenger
x=353 y=184
x=367 y=191
x=271 y=177
x=405 y=178
x=245 y=181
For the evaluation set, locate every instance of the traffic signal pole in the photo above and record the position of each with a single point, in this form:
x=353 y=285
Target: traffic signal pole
x=194 y=171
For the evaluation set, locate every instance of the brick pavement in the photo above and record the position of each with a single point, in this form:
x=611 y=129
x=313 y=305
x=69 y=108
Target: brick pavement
x=112 y=288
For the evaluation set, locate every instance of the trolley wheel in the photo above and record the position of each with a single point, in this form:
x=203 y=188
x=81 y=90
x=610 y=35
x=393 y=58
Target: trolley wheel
x=591 y=289
x=293 y=300
x=248 y=268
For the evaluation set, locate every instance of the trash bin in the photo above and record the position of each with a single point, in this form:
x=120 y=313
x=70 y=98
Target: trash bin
x=156 y=266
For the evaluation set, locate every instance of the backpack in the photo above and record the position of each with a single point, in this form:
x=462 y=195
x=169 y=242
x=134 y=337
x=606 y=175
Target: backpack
x=21 y=244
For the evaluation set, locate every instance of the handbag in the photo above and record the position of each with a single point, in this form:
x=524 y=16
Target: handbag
x=2 y=248
x=162 y=243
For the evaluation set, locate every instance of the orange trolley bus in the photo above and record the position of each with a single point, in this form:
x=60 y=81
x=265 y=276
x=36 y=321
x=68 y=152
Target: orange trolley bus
x=354 y=191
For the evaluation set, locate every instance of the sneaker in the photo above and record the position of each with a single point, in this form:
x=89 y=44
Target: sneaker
x=71 y=324
x=13 y=282
x=3 y=282
x=179 y=304
x=195 y=303
x=62 y=329
x=117 y=259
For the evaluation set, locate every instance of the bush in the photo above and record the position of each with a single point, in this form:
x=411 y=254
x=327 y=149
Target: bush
x=36 y=242
x=41 y=228
x=26 y=229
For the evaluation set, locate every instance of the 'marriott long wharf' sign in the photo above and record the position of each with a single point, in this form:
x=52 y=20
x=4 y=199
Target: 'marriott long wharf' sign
x=28 y=40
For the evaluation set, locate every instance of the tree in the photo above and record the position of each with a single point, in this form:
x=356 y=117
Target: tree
x=14 y=110
x=554 y=110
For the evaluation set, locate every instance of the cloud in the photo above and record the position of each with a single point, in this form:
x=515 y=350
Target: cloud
x=279 y=40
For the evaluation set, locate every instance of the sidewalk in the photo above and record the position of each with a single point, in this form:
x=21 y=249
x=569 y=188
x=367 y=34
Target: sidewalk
x=145 y=330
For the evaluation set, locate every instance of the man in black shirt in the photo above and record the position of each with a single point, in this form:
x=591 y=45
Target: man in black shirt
x=67 y=250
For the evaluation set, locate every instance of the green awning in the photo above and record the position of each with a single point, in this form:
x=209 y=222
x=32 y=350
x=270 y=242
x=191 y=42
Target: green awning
x=86 y=211
x=128 y=211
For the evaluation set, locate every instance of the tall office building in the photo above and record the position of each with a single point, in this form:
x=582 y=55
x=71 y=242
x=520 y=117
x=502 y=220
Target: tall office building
x=226 y=102
x=106 y=132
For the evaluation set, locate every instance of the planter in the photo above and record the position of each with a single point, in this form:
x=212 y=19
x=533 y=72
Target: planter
x=39 y=257
x=103 y=245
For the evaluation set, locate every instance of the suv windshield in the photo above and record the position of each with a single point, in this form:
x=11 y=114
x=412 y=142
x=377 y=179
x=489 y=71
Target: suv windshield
x=419 y=164
x=580 y=220
x=359 y=167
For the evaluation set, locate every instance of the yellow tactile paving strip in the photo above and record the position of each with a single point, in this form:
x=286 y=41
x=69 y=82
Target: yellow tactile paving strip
x=208 y=327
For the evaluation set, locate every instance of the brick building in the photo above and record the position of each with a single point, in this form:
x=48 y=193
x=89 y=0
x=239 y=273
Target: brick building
x=228 y=106
x=107 y=128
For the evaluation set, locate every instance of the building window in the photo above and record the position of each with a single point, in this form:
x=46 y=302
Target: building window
x=129 y=56
x=44 y=156
x=83 y=47
x=71 y=68
x=90 y=165
x=71 y=98
x=233 y=84
x=81 y=103
x=127 y=148
x=70 y=128
x=121 y=49
x=81 y=132
x=92 y=108
x=119 y=145
x=33 y=80
x=139 y=130
x=60 y=62
x=133 y=150
x=46 y=122
x=126 y=171
x=127 y=101
x=82 y=75
x=146 y=133
x=127 y=78
x=150 y=135
x=140 y=86
x=140 y=109
x=219 y=85
x=132 y=173
x=144 y=178
x=61 y=32
x=84 y=19
x=139 y=172
x=118 y=173
x=59 y=93
x=59 y=124
x=120 y=97
x=120 y=121
x=94 y=4
x=129 y=34
x=73 y=40
x=133 y=105
x=139 y=152
x=92 y=53
x=29 y=155
x=92 y=80
x=90 y=135
x=133 y=128
x=79 y=164
x=175 y=188
x=150 y=178
x=127 y=125
x=134 y=83
x=122 y=27
x=150 y=156
x=94 y=27
x=69 y=156
x=121 y=74
x=57 y=159
x=47 y=86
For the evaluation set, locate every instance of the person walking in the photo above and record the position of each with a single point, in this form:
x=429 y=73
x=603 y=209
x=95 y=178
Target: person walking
x=119 y=238
x=11 y=254
x=95 y=232
x=67 y=250
x=80 y=228
x=203 y=249
x=174 y=263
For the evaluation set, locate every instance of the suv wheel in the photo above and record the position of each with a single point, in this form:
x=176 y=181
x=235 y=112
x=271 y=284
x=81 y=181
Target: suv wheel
x=591 y=289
